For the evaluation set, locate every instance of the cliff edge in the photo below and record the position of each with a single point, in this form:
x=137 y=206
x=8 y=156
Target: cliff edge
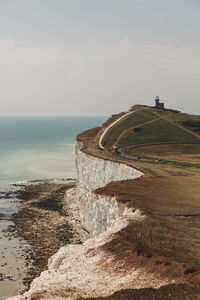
x=140 y=209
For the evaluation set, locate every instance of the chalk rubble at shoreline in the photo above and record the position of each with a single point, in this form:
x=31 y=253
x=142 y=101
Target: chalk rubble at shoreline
x=74 y=270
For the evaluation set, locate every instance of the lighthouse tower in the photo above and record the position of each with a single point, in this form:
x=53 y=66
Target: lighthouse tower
x=158 y=104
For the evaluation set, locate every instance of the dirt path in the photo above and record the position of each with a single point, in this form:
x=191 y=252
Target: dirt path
x=123 y=150
x=129 y=129
x=177 y=125
x=151 y=121
x=112 y=124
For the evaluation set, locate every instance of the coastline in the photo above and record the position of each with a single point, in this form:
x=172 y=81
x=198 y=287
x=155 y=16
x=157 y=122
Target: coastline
x=46 y=221
x=44 y=148
x=134 y=245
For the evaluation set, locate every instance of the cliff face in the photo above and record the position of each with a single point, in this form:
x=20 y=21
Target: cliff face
x=106 y=262
x=97 y=212
x=74 y=270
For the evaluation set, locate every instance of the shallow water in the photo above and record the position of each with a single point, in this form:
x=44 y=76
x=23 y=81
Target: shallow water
x=12 y=263
x=40 y=147
x=12 y=250
x=31 y=149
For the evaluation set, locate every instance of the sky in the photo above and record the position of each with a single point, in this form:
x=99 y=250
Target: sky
x=98 y=57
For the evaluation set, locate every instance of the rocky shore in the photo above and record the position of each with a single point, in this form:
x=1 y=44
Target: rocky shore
x=48 y=220
x=143 y=225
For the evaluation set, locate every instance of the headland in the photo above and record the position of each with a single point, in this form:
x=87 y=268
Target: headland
x=138 y=193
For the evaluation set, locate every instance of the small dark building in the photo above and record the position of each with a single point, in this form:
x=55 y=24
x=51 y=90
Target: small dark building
x=136 y=129
x=158 y=104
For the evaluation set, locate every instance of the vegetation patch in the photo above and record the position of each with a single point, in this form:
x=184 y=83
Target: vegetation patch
x=192 y=124
x=166 y=196
x=168 y=238
x=158 y=131
x=171 y=230
x=190 y=291
x=171 y=239
x=130 y=121
x=175 y=152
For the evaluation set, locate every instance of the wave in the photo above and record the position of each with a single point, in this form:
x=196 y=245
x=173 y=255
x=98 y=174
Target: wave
x=43 y=180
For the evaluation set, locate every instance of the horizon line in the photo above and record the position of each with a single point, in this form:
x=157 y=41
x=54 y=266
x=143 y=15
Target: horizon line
x=54 y=115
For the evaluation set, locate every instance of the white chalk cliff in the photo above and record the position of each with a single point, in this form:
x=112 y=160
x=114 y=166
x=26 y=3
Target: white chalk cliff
x=98 y=212
x=88 y=270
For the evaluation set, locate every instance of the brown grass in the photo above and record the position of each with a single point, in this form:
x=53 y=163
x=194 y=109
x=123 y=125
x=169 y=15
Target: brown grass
x=175 y=152
x=167 y=241
x=171 y=204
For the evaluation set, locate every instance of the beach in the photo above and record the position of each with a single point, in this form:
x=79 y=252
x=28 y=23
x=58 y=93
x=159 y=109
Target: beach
x=36 y=153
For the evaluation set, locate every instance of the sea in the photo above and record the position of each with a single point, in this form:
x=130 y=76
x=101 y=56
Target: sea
x=32 y=149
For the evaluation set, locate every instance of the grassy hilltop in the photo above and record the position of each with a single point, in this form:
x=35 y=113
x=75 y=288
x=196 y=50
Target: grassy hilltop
x=165 y=145
x=161 y=134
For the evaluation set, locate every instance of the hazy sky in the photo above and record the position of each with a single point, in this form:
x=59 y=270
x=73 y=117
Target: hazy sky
x=98 y=57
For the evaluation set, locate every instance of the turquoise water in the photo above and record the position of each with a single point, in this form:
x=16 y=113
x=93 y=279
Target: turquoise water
x=31 y=148
x=40 y=147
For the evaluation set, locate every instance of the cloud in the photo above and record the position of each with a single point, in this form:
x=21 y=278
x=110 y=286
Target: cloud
x=123 y=55
x=18 y=52
x=168 y=59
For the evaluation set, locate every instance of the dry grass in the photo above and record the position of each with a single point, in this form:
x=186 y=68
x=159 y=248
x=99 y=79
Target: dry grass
x=171 y=292
x=175 y=152
x=172 y=205
x=169 y=197
x=167 y=241
x=159 y=195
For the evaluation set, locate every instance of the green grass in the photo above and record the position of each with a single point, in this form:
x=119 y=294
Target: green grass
x=158 y=131
x=133 y=120
x=113 y=118
x=193 y=125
